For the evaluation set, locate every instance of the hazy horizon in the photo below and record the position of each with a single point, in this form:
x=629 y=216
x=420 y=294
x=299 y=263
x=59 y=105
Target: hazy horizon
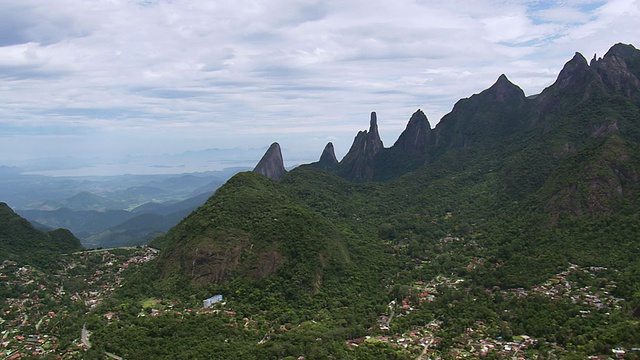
x=91 y=84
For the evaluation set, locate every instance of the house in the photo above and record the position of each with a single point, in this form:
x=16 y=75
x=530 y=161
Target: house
x=212 y=300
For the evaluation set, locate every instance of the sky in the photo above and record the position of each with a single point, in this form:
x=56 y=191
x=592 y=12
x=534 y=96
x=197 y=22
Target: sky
x=98 y=87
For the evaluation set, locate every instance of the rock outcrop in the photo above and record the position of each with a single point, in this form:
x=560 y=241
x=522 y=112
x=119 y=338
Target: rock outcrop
x=328 y=160
x=501 y=113
x=357 y=165
x=482 y=118
x=271 y=165
x=416 y=139
x=503 y=91
x=574 y=73
x=619 y=70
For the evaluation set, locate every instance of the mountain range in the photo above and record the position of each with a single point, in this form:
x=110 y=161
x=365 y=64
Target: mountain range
x=471 y=230
x=506 y=192
x=110 y=211
x=572 y=149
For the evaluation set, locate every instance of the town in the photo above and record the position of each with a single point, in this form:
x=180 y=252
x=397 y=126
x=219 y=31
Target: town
x=41 y=313
x=40 y=309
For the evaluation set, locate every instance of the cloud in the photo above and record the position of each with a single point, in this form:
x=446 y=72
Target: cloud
x=124 y=77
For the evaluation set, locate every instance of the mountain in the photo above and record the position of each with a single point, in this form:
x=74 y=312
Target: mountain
x=139 y=230
x=548 y=150
x=254 y=229
x=81 y=222
x=416 y=139
x=357 y=164
x=271 y=165
x=146 y=223
x=106 y=214
x=502 y=224
x=21 y=242
x=502 y=114
x=328 y=160
x=85 y=201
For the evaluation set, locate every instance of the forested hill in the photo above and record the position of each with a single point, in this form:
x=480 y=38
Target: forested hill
x=459 y=233
x=21 y=242
x=570 y=153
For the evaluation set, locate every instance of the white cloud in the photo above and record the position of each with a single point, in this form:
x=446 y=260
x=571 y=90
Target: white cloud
x=563 y=15
x=119 y=76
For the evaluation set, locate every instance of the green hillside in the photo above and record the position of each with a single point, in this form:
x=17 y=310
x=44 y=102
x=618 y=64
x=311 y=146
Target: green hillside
x=508 y=230
x=21 y=242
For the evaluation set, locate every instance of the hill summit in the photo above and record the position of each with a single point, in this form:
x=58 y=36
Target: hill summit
x=21 y=242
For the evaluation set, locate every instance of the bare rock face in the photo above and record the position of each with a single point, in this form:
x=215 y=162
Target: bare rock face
x=416 y=139
x=328 y=161
x=328 y=158
x=213 y=265
x=605 y=128
x=503 y=90
x=271 y=165
x=616 y=74
x=574 y=74
x=616 y=70
x=481 y=118
x=357 y=165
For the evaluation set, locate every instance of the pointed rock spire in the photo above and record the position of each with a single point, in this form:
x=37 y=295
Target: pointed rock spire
x=357 y=165
x=271 y=165
x=416 y=139
x=328 y=161
x=366 y=143
x=373 y=138
x=328 y=156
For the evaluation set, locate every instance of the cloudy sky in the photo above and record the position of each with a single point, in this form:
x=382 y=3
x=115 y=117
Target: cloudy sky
x=114 y=84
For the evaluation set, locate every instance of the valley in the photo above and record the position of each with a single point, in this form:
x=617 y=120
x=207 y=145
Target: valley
x=109 y=211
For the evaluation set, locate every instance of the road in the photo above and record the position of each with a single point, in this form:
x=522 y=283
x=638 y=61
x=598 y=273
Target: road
x=424 y=351
x=84 y=336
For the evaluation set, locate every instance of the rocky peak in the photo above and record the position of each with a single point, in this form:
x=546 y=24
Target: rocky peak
x=623 y=50
x=357 y=165
x=271 y=165
x=577 y=80
x=366 y=143
x=573 y=74
x=328 y=156
x=417 y=137
x=619 y=70
x=504 y=90
x=372 y=137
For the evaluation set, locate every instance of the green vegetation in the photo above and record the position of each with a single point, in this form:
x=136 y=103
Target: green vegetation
x=347 y=250
x=516 y=240
x=21 y=242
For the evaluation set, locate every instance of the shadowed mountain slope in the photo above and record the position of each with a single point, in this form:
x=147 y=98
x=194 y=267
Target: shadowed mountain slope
x=21 y=242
